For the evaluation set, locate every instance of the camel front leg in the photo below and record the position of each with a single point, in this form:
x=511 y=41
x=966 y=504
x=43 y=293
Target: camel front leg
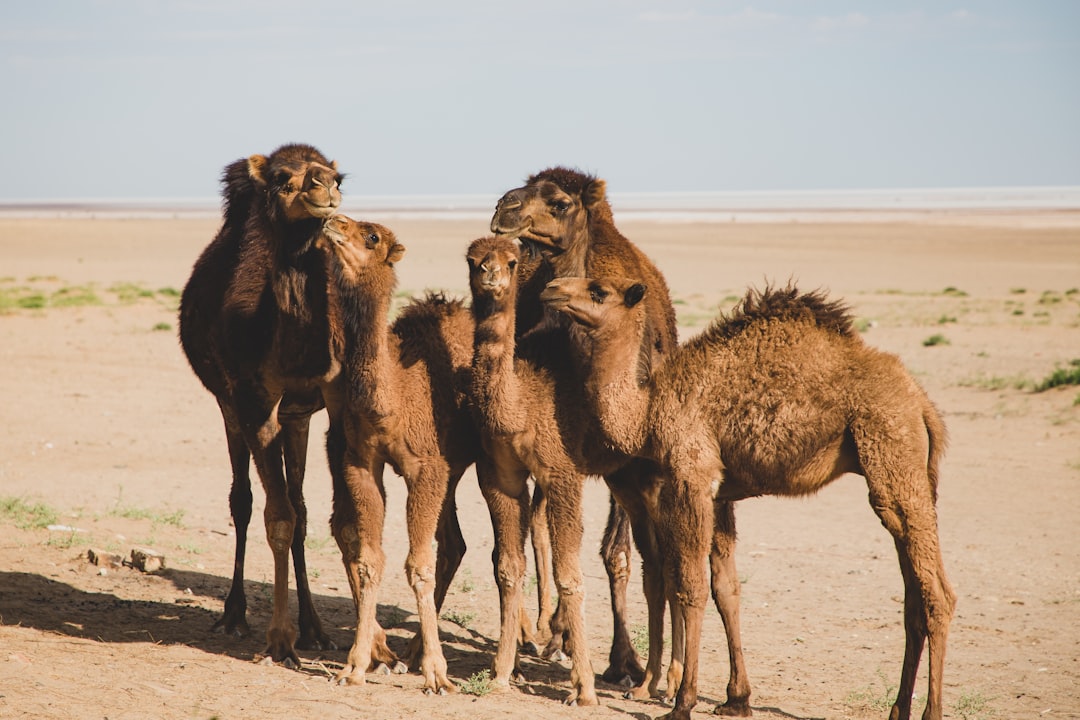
x=564 y=506
x=624 y=667
x=422 y=509
x=541 y=543
x=257 y=411
x=686 y=530
x=234 y=619
x=294 y=434
x=359 y=535
x=632 y=498
x=725 y=591
x=505 y=492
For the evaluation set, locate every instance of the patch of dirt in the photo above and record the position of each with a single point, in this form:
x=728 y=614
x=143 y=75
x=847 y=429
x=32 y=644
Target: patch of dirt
x=105 y=425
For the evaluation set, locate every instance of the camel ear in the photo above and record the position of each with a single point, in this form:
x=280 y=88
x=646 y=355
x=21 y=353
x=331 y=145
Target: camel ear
x=396 y=253
x=633 y=294
x=257 y=169
x=594 y=192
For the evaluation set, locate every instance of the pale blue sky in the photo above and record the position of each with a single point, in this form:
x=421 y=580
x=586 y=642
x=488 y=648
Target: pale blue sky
x=126 y=99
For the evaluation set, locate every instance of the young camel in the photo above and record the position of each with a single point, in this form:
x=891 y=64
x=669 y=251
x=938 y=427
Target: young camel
x=780 y=398
x=406 y=406
x=256 y=327
x=563 y=216
x=528 y=412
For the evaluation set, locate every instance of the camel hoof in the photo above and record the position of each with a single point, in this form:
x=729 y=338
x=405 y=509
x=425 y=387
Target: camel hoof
x=530 y=648
x=557 y=655
x=348 y=677
x=382 y=669
x=265 y=660
x=518 y=677
x=399 y=668
x=736 y=709
x=288 y=662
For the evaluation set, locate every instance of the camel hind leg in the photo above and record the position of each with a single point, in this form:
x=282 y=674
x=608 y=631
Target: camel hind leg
x=902 y=493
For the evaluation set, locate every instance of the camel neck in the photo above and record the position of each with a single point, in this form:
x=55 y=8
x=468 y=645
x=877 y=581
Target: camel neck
x=495 y=386
x=614 y=387
x=366 y=308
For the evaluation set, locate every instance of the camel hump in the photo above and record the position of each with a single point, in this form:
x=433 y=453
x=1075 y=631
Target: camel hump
x=789 y=304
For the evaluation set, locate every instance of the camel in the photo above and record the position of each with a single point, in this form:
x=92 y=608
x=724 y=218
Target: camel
x=563 y=216
x=530 y=423
x=779 y=398
x=253 y=325
x=406 y=405
x=259 y=326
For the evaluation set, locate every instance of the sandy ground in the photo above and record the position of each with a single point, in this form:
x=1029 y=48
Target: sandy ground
x=105 y=425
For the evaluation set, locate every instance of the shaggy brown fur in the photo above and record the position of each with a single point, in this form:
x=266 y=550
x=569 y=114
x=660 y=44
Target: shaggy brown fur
x=780 y=398
x=564 y=216
x=258 y=329
x=406 y=405
x=531 y=422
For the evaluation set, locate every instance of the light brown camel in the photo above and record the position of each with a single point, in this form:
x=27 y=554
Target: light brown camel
x=406 y=405
x=530 y=420
x=779 y=398
x=256 y=327
x=563 y=216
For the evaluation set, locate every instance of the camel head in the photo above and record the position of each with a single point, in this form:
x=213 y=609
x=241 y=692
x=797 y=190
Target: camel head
x=551 y=211
x=493 y=267
x=595 y=304
x=358 y=245
x=298 y=183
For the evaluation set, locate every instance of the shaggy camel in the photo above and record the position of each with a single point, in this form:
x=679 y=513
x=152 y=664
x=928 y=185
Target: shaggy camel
x=527 y=410
x=563 y=216
x=260 y=328
x=780 y=398
x=254 y=326
x=406 y=405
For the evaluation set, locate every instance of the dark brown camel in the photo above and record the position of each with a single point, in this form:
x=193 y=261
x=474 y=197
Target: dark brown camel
x=407 y=406
x=564 y=216
x=258 y=325
x=780 y=398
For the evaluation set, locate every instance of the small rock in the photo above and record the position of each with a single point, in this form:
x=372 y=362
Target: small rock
x=103 y=558
x=147 y=560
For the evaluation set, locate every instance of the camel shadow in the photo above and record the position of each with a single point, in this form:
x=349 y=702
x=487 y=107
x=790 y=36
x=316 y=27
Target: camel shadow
x=50 y=605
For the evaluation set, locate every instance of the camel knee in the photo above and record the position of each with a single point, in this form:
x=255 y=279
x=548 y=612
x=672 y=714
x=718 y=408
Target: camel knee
x=348 y=541
x=279 y=533
x=419 y=576
x=618 y=565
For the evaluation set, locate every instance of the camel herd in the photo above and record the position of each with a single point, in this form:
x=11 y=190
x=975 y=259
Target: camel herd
x=564 y=365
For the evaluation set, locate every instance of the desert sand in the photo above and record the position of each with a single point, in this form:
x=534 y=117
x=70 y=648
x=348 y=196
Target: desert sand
x=106 y=426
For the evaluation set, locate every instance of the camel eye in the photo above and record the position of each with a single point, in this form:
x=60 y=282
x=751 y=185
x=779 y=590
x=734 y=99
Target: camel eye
x=598 y=294
x=372 y=240
x=560 y=205
x=512 y=265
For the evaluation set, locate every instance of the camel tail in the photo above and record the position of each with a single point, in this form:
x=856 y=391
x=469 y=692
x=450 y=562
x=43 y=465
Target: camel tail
x=935 y=429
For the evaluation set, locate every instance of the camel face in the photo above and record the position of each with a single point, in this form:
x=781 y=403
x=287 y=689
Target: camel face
x=492 y=266
x=593 y=303
x=550 y=211
x=301 y=188
x=358 y=245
